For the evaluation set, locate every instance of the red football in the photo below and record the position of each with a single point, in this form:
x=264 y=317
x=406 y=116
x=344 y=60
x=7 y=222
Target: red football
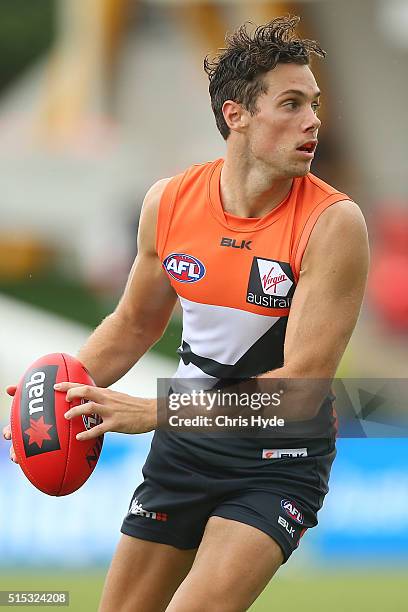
x=44 y=440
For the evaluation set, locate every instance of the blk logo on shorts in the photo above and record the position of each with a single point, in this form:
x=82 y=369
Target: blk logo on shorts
x=284 y=523
x=184 y=268
x=283 y=453
x=271 y=284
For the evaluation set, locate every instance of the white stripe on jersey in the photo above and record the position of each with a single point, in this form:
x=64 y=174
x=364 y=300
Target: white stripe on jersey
x=219 y=333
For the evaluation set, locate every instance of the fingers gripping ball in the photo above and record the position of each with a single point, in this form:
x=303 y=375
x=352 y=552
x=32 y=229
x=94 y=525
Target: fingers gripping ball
x=44 y=441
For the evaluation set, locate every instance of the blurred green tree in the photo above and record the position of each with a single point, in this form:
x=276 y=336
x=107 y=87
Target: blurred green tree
x=27 y=29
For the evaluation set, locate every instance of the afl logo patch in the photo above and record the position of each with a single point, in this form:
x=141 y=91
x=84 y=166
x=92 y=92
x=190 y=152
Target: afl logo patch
x=291 y=510
x=184 y=268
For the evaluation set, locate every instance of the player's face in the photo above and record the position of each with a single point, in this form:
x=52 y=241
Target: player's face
x=286 y=121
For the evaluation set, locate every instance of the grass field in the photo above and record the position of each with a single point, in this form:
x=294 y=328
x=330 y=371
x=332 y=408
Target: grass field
x=328 y=592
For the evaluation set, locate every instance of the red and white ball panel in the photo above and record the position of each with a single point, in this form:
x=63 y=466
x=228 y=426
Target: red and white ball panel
x=44 y=441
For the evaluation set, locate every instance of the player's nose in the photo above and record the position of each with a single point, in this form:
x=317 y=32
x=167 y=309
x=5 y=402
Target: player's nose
x=316 y=123
x=312 y=122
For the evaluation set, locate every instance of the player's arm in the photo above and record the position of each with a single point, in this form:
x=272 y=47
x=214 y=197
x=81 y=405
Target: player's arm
x=123 y=337
x=143 y=311
x=328 y=296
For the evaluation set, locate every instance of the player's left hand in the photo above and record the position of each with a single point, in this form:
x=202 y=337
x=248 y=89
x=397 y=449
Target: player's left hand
x=119 y=412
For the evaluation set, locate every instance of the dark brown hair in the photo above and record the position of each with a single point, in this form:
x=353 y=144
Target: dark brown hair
x=236 y=72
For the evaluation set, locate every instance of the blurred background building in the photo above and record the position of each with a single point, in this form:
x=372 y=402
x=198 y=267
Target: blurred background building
x=99 y=99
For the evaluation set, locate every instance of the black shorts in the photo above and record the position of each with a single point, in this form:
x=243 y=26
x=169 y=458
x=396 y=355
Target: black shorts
x=277 y=488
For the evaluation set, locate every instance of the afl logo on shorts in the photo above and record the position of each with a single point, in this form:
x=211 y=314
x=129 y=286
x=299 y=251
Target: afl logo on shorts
x=291 y=510
x=184 y=268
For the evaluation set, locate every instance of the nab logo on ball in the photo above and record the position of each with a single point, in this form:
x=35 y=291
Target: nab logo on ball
x=184 y=268
x=45 y=442
x=271 y=284
x=37 y=411
x=291 y=510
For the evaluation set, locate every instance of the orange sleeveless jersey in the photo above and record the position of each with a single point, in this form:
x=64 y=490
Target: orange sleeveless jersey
x=235 y=276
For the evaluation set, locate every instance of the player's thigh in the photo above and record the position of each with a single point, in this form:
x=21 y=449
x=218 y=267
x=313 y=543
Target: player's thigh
x=143 y=576
x=233 y=565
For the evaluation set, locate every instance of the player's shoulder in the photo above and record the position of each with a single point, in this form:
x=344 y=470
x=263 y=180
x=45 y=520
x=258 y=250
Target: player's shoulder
x=342 y=217
x=152 y=200
x=155 y=193
x=339 y=236
x=320 y=185
x=149 y=215
x=339 y=232
x=342 y=214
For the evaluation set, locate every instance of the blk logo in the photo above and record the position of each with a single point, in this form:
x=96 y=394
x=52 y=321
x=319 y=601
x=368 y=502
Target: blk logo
x=284 y=523
x=283 y=453
x=234 y=244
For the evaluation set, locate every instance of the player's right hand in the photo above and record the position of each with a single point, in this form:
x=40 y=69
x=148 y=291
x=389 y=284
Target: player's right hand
x=7 y=429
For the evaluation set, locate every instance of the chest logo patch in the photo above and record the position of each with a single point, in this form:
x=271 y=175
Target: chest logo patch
x=184 y=268
x=271 y=284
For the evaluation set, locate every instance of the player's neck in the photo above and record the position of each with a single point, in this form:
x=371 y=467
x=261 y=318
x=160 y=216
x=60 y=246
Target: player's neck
x=250 y=190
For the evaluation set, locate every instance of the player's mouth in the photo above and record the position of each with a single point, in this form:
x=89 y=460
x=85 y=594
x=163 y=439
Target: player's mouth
x=307 y=149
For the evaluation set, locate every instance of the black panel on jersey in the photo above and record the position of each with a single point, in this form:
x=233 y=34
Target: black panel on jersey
x=265 y=355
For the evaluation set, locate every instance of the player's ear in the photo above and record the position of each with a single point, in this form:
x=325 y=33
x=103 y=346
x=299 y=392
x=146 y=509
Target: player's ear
x=236 y=117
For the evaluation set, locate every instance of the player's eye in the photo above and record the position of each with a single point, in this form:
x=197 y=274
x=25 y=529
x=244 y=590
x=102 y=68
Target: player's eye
x=291 y=104
x=316 y=107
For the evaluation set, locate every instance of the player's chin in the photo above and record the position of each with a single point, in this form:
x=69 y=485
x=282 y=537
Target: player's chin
x=301 y=169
